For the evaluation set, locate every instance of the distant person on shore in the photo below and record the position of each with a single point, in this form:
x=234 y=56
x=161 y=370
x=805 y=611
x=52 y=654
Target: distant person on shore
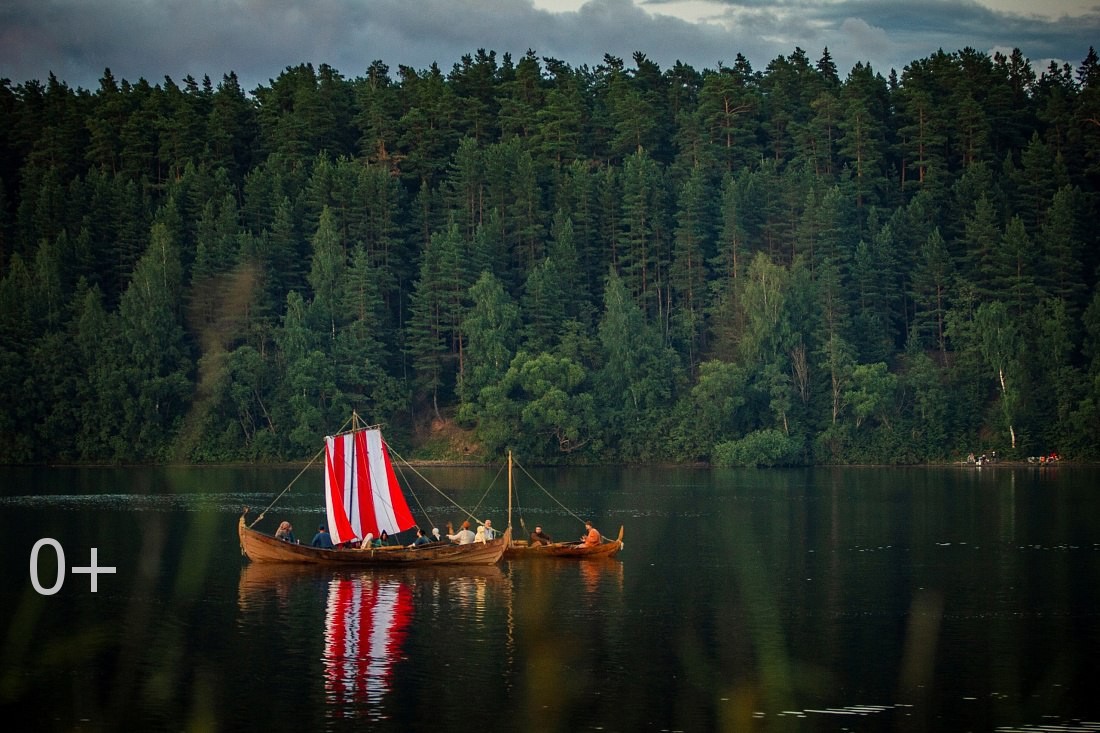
x=538 y=537
x=322 y=539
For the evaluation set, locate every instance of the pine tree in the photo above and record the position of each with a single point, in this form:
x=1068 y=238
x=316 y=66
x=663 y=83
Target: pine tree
x=1060 y=272
x=328 y=265
x=644 y=254
x=931 y=283
x=688 y=274
x=492 y=326
x=157 y=366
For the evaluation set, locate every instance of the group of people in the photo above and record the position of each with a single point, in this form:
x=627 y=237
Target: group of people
x=591 y=536
x=464 y=536
x=323 y=539
x=285 y=532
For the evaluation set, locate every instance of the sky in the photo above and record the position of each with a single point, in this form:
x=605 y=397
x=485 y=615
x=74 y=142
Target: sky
x=77 y=40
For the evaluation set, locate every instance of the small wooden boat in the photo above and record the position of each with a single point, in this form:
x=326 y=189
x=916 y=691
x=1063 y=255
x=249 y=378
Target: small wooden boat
x=522 y=549
x=363 y=499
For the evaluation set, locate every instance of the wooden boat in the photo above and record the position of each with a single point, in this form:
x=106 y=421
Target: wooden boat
x=522 y=549
x=260 y=547
x=362 y=499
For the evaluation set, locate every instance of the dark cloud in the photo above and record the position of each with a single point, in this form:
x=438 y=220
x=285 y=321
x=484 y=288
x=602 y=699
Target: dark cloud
x=77 y=39
x=889 y=34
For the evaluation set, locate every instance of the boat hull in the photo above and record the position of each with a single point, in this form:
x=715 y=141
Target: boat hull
x=261 y=548
x=524 y=550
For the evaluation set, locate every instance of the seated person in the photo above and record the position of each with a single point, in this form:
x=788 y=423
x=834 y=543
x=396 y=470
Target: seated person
x=285 y=533
x=538 y=537
x=322 y=539
x=591 y=536
x=464 y=536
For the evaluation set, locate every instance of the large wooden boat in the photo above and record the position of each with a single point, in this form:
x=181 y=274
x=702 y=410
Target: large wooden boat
x=363 y=500
x=264 y=548
x=522 y=549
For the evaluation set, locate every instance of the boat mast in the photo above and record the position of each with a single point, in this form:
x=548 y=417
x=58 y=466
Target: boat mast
x=509 y=489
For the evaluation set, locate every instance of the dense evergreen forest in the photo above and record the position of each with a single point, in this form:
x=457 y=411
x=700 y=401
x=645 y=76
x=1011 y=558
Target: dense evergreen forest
x=619 y=263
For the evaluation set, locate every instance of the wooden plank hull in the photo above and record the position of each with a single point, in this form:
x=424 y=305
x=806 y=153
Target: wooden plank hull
x=524 y=550
x=261 y=548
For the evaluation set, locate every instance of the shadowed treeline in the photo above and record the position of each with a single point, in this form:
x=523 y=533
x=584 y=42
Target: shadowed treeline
x=620 y=263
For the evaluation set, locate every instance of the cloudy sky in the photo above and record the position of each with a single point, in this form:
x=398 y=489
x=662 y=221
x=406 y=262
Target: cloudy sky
x=151 y=39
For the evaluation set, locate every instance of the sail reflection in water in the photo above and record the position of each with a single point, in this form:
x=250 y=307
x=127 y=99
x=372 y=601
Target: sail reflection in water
x=366 y=619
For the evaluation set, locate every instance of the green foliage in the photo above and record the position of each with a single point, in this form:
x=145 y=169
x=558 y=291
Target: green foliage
x=761 y=448
x=612 y=263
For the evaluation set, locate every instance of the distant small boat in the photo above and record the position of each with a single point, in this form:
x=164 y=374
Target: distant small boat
x=363 y=497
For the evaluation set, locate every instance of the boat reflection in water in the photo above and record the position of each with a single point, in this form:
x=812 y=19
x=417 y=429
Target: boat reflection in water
x=594 y=573
x=375 y=622
x=366 y=620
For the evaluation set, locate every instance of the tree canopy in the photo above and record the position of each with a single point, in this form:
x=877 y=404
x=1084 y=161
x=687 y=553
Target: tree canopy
x=609 y=263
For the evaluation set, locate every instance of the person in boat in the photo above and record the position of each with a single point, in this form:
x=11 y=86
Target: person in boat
x=383 y=539
x=464 y=536
x=285 y=532
x=591 y=536
x=368 y=541
x=322 y=539
x=538 y=537
x=435 y=535
x=421 y=539
x=485 y=532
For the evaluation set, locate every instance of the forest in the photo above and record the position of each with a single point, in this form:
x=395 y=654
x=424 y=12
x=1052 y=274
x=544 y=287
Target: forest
x=609 y=264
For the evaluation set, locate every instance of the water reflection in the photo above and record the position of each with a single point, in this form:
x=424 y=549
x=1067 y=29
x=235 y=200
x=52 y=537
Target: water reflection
x=366 y=619
x=376 y=623
x=827 y=600
x=597 y=573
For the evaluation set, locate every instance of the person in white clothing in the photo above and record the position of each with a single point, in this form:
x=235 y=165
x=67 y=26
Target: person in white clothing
x=463 y=537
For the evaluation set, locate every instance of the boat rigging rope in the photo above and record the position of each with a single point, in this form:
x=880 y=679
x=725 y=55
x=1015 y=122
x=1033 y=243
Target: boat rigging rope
x=438 y=490
x=487 y=490
x=354 y=416
x=553 y=498
x=280 y=496
x=544 y=490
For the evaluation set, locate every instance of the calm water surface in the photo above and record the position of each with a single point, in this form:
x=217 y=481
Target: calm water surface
x=818 y=600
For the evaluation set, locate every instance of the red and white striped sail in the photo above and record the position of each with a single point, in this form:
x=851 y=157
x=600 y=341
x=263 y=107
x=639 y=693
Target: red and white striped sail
x=362 y=495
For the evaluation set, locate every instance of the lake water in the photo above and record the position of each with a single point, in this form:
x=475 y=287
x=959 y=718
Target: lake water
x=855 y=599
